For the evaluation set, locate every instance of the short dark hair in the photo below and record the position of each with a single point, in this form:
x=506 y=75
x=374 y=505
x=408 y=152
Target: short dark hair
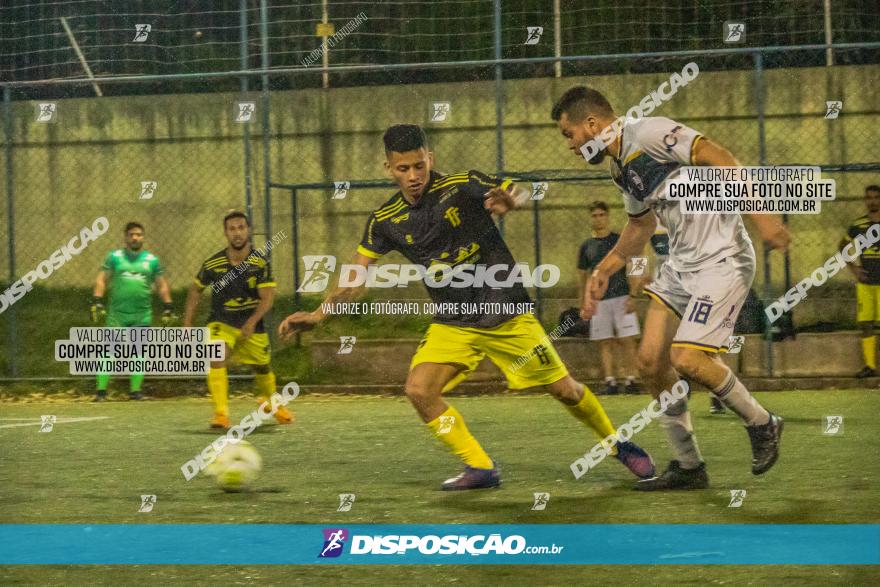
x=873 y=188
x=401 y=138
x=580 y=101
x=235 y=214
x=131 y=225
x=598 y=206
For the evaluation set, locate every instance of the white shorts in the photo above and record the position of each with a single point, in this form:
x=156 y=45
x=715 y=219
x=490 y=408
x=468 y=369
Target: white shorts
x=610 y=317
x=707 y=301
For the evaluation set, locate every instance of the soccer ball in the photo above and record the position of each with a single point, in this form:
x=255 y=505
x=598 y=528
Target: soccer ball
x=236 y=467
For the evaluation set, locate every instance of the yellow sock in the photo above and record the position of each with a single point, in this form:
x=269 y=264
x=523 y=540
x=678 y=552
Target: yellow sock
x=265 y=383
x=218 y=385
x=590 y=412
x=869 y=351
x=451 y=430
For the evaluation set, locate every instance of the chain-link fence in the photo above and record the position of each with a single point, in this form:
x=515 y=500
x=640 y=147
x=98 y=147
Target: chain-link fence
x=177 y=162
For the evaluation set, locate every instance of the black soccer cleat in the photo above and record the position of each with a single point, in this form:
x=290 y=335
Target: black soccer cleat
x=765 y=444
x=633 y=388
x=136 y=396
x=473 y=478
x=101 y=396
x=676 y=478
x=716 y=407
x=866 y=372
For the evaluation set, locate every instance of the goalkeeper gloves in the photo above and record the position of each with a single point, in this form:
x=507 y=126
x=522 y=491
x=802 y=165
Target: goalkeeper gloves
x=97 y=309
x=168 y=315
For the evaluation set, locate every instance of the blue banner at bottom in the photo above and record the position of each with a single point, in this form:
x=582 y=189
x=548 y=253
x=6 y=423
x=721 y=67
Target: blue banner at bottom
x=532 y=544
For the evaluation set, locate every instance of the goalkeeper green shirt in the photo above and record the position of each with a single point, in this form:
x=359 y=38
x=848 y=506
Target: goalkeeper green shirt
x=131 y=278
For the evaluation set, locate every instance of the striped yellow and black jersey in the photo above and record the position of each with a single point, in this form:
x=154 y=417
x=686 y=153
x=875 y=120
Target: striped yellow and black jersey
x=234 y=288
x=870 y=257
x=449 y=225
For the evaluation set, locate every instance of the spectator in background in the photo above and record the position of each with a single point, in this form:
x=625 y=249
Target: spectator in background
x=614 y=325
x=867 y=274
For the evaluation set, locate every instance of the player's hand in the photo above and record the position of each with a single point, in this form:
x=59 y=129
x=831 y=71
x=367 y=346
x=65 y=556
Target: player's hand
x=598 y=285
x=97 y=310
x=499 y=201
x=246 y=330
x=859 y=273
x=168 y=315
x=588 y=309
x=297 y=322
x=778 y=238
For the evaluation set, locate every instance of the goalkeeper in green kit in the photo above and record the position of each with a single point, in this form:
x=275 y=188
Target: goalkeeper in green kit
x=130 y=274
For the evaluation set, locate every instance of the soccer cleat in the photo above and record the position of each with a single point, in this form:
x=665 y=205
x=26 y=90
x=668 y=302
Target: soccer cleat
x=635 y=459
x=473 y=478
x=866 y=372
x=611 y=389
x=676 y=478
x=716 y=407
x=136 y=396
x=765 y=444
x=101 y=396
x=220 y=421
x=282 y=414
x=633 y=388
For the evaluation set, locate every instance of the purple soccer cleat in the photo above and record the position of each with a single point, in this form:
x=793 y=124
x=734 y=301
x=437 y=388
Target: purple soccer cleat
x=635 y=459
x=473 y=478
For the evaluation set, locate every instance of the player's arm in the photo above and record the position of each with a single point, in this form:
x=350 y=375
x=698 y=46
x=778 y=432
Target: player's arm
x=193 y=297
x=854 y=268
x=508 y=196
x=304 y=321
x=267 y=298
x=773 y=232
x=164 y=291
x=97 y=309
x=633 y=238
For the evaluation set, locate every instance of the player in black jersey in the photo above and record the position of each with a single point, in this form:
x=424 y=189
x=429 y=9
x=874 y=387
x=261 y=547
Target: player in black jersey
x=242 y=292
x=445 y=222
x=867 y=275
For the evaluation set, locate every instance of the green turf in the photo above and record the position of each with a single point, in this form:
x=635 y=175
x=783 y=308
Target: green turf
x=376 y=448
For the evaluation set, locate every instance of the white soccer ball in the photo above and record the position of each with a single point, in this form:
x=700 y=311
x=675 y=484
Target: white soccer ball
x=236 y=467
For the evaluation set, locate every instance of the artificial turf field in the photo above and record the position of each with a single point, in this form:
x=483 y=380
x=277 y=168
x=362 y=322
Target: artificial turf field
x=375 y=447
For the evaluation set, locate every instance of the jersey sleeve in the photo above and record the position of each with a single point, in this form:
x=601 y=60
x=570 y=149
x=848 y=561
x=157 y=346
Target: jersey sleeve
x=488 y=181
x=264 y=278
x=205 y=276
x=584 y=257
x=852 y=232
x=633 y=207
x=375 y=242
x=156 y=267
x=109 y=263
x=667 y=141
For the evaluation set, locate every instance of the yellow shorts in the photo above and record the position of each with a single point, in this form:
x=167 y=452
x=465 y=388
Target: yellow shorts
x=253 y=351
x=868 y=297
x=519 y=347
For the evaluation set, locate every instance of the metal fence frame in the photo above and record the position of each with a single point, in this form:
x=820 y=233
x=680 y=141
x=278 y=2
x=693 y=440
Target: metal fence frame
x=265 y=72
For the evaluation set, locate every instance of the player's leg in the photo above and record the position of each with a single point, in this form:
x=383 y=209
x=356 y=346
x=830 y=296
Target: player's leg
x=626 y=329
x=719 y=292
x=102 y=380
x=606 y=358
x=868 y=298
x=136 y=380
x=524 y=353
x=686 y=470
x=218 y=376
x=445 y=357
x=602 y=333
x=255 y=351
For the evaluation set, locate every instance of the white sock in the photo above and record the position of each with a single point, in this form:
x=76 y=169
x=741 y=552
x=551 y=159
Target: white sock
x=630 y=379
x=735 y=396
x=676 y=421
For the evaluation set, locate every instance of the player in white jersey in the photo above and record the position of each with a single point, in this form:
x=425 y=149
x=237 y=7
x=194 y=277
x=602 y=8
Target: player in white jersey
x=701 y=287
